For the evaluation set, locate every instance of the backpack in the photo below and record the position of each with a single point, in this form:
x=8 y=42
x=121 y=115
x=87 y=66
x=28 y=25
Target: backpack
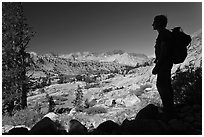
x=180 y=43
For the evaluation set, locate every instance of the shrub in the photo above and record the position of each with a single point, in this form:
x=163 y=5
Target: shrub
x=89 y=79
x=187 y=85
x=111 y=76
x=45 y=81
x=40 y=60
x=96 y=110
x=118 y=88
x=27 y=117
x=42 y=90
x=86 y=103
x=79 y=77
x=37 y=107
x=51 y=103
x=107 y=90
x=79 y=108
x=65 y=78
x=60 y=81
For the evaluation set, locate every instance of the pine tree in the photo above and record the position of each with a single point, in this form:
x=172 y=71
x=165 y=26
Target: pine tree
x=77 y=102
x=16 y=35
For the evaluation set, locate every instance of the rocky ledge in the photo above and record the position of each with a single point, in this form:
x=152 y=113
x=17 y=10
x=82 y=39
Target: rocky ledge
x=185 y=120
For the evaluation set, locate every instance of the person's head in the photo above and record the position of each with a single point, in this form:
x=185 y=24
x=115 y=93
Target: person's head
x=160 y=21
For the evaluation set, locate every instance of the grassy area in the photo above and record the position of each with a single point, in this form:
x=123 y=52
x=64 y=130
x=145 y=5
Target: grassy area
x=27 y=117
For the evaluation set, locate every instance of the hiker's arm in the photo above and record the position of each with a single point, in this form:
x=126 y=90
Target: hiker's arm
x=161 y=58
x=163 y=54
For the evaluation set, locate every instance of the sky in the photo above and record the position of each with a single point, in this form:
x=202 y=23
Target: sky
x=68 y=27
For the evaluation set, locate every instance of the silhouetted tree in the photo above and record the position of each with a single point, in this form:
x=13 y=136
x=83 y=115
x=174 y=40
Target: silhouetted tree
x=51 y=104
x=16 y=35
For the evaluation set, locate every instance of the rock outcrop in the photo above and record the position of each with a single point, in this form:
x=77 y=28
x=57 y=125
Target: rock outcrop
x=185 y=120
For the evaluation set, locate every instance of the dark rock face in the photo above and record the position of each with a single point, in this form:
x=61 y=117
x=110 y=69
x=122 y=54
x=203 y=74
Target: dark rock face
x=144 y=127
x=149 y=112
x=18 y=131
x=150 y=122
x=76 y=128
x=185 y=120
x=62 y=110
x=107 y=128
x=44 y=127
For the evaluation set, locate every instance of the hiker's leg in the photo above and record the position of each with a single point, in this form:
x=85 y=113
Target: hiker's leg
x=165 y=90
x=168 y=98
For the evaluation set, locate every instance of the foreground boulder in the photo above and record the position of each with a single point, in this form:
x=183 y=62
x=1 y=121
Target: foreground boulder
x=44 y=127
x=18 y=131
x=107 y=128
x=76 y=128
x=148 y=112
x=144 y=127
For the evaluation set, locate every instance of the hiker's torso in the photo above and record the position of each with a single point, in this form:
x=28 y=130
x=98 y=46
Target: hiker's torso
x=165 y=36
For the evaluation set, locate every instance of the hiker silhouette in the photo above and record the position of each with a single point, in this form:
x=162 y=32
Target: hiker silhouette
x=163 y=62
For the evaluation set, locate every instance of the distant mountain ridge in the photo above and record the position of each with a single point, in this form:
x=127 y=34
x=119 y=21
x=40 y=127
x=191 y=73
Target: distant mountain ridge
x=117 y=56
x=110 y=61
x=107 y=53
